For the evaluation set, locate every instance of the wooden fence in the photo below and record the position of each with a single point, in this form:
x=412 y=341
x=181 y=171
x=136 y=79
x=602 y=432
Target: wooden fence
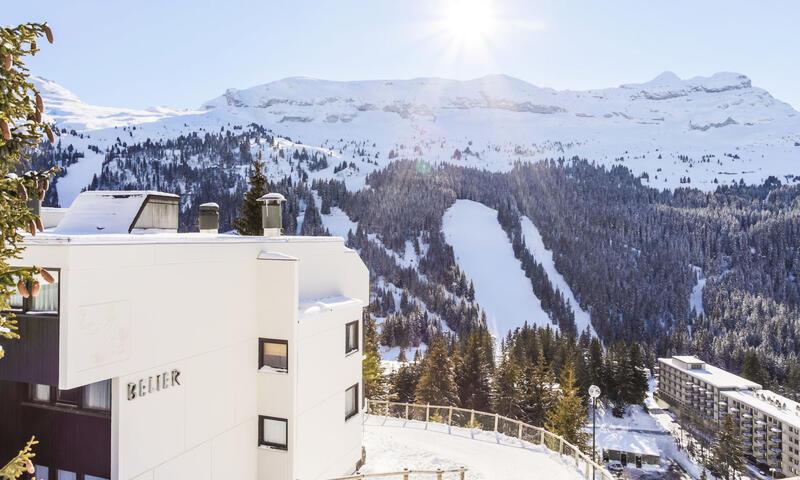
x=438 y=473
x=462 y=417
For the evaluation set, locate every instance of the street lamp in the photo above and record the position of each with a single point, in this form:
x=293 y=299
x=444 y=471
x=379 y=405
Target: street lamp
x=594 y=392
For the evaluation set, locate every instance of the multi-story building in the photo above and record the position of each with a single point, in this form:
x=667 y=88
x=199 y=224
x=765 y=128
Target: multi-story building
x=693 y=386
x=770 y=427
x=161 y=355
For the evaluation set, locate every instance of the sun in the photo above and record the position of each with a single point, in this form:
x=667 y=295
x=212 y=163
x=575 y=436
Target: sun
x=468 y=21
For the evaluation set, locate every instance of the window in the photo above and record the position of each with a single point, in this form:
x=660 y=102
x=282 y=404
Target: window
x=97 y=395
x=45 y=301
x=351 y=337
x=40 y=393
x=92 y=477
x=274 y=355
x=273 y=432
x=351 y=401
x=72 y=397
x=67 y=475
x=42 y=472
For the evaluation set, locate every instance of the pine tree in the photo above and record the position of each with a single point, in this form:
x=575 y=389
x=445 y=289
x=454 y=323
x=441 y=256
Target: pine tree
x=751 y=367
x=507 y=398
x=636 y=376
x=538 y=392
x=404 y=383
x=568 y=417
x=473 y=375
x=249 y=220
x=21 y=129
x=728 y=451
x=374 y=381
x=437 y=384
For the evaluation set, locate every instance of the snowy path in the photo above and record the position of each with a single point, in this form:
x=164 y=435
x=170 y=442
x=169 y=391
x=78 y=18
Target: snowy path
x=535 y=244
x=393 y=444
x=484 y=253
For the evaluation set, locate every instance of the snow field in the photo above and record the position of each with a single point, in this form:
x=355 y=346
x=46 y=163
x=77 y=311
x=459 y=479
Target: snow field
x=394 y=444
x=484 y=253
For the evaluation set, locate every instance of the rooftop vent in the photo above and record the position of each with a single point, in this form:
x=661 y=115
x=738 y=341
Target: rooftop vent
x=209 y=218
x=106 y=212
x=271 y=214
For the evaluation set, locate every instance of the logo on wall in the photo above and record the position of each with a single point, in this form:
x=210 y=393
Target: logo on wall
x=154 y=383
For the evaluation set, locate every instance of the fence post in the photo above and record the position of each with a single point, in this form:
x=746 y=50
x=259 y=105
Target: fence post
x=427 y=412
x=561 y=445
x=519 y=433
x=461 y=473
x=541 y=436
x=405 y=474
x=450 y=416
x=472 y=419
x=406 y=411
x=438 y=474
x=496 y=419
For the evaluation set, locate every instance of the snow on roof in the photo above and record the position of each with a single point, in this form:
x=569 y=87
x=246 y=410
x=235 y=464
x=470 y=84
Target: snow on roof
x=688 y=359
x=710 y=374
x=105 y=212
x=627 y=441
x=315 y=307
x=770 y=403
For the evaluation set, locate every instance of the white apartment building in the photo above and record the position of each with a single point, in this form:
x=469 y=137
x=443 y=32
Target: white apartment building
x=692 y=385
x=159 y=355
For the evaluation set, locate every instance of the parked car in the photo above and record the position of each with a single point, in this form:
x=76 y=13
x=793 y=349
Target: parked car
x=615 y=467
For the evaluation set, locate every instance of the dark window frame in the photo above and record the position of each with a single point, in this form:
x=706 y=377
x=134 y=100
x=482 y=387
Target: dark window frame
x=65 y=404
x=348 y=351
x=262 y=341
x=264 y=443
x=356 y=403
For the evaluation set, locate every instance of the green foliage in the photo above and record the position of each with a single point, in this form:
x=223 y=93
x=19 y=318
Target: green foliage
x=21 y=129
x=437 y=384
x=474 y=371
x=21 y=464
x=538 y=391
x=728 y=450
x=375 y=386
x=568 y=417
x=249 y=220
x=507 y=399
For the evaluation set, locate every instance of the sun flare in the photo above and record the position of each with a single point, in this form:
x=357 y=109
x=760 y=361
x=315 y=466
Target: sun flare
x=468 y=21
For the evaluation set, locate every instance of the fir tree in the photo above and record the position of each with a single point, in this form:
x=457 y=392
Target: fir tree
x=751 y=367
x=21 y=129
x=473 y=375
x=507 y=401
x=568 y=417
x=437 y=384
x=249 y=220
x=374 y=381
x=404 y=382
x=728 y=450
x=538 y=392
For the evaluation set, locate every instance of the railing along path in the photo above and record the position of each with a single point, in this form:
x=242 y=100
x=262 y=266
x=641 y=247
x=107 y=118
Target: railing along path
x=439 y=473
x=463 y=417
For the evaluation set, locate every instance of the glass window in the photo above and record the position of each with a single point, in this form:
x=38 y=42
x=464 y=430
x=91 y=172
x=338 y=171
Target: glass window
x=72 y=397
x=92 y=477
x=351 y=401
x=67 y=475
x=47 y=299
x=97 y=395
x=42 y=472
x=40 y=393
x=273 y=432
x=351 y=337
x=274 y=355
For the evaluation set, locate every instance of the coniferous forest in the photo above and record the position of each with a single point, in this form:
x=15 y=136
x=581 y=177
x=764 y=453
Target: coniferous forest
x=630 y=253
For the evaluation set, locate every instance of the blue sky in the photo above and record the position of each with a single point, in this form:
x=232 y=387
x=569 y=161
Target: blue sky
x=181 y=53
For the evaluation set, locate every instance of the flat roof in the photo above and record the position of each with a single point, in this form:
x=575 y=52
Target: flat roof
x=769 y=402
x=52 y=238
x=627 y=441
x=711 y=375
x=688 y=359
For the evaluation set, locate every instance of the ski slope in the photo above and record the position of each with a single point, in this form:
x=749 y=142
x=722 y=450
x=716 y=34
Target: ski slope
x=393 y=444
x=484 y=253
x=535 y=244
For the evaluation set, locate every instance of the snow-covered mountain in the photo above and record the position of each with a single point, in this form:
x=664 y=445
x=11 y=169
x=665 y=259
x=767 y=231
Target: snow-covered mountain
x=702 y=131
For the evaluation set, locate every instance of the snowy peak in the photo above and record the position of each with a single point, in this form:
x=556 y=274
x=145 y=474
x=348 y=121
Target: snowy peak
x=68 y=111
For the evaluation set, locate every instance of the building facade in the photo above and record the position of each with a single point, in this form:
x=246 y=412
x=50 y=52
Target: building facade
x=163 y=355
x=769 y=423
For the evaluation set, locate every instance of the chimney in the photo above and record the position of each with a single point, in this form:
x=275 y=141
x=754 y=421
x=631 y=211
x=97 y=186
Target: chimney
x=271 y=214
x=209 y=218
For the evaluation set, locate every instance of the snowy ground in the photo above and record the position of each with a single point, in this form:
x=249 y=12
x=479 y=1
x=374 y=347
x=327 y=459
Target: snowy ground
x=393 y=444
x=484 y=253
x=535 y=244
